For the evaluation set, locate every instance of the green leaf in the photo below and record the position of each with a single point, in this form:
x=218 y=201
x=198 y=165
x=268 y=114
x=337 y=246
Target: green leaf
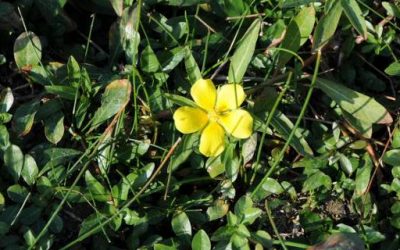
x=218 y=210
x=181 y=225
x=65 y=92
x=27 y=50
x=4 y=138
x=54 y=127
x=297 y=33
x=114 y=100
x=392 y=9
x=244 y=53
x=74 y=72
x=192 y=69
x=356 y=104
x=296 y=3
x=24 y=117
x=30 y=170
x=17 y=193
x=215 y=166
x=354 y=14
x=363 y=176
x=393 y=69
x=392 y=157
x=180 y=100
x=327 y=26
x=284 y=126
x=118 y=6
x=6 y=100
x=395 y=137
x=128 y=30
x=96 y=189
x=14 y=161
x=346 y=165
x=201 y=241
x=148 y=61
x=184 y=150
x=316 y=180
x=249 y=148
x=270 y=186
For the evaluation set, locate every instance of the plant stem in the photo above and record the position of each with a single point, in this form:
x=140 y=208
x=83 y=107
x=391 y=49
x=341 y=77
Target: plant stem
x=292 y=133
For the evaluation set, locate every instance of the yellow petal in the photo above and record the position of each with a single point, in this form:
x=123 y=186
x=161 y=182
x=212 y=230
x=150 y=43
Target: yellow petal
x=212 y=140
x=204 y=93
x=189 y=120
x=229 y=97
x=238 y=123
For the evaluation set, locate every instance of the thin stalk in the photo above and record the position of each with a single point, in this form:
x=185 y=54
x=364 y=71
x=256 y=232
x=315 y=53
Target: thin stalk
x=281 y=242
x=89 y=37
x=291 y=244
x=299 y=119
x=269 y=119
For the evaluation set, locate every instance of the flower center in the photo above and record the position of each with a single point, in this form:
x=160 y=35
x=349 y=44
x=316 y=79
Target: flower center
x=213 y=116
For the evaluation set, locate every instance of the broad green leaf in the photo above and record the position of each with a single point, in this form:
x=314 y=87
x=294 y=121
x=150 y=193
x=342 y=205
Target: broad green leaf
x=30 y=170
x=297 y=33
x=24 y=117
x=356 y=104
x=395 y=137
x=284 y=126
x=270 y=186
x=160 y=246
x=392 y=157
x=215 y=166
x=245 y=211
x=316 y=180
x=17 y=193
x=96 y=189
x=327 y=26
x=354 y=14
x=218 y=210
x=393 y=69
x=54 y=127
x=243 y=53
x=363 y=176
x=6 y=100
x=263 y=238
x=118 y=6
x=346 y=165
x=74 y=72
x=363 y=127
x=181 y=224
x=148 y=61
x=27 y=50
x=65 y=92
x=128 y=30
x=192 y=69
x=4 y=138
x=201 y=241
x=180 y=100
x=296 y=3
x=392 y=9
x=14 y=161
x=171 y=58
x=184 y=150
x=114 y=99
x=249 y=148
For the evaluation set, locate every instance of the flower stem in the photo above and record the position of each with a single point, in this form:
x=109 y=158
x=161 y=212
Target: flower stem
x=299 y=119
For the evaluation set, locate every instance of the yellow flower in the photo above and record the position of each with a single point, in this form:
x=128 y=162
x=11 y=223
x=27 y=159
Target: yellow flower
x=217 y=112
